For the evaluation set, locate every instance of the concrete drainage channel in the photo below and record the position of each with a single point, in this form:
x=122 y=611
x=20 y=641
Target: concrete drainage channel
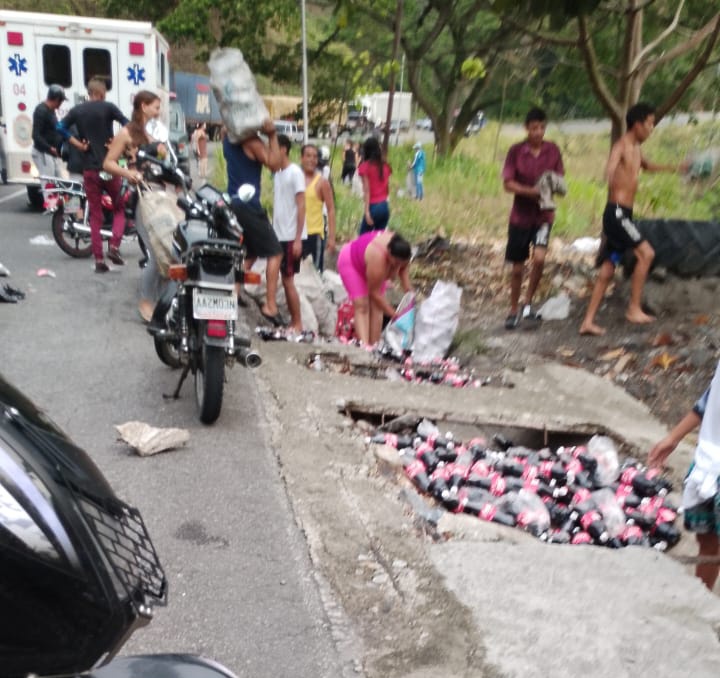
x=562 y=486
x=446 y=372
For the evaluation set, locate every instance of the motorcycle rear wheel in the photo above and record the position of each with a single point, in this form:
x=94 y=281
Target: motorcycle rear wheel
x=167 y=353
x=209 y=382
x=74 y=244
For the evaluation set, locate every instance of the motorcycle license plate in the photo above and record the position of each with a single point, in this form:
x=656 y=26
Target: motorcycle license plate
x=214 y=305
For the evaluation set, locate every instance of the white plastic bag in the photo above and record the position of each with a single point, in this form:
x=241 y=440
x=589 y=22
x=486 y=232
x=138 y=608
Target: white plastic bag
x=160 y=215
x=310 y=284
x=241 y=107
x=603 y=450
x=436 y=322
x=397 y=337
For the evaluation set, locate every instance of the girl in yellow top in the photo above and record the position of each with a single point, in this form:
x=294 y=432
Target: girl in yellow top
x=318 y=195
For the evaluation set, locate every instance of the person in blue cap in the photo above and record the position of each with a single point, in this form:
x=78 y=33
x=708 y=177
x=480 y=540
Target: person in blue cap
x=418 y=167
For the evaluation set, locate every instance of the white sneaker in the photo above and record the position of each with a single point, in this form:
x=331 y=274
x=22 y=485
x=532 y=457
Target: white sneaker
x=529 y=314
x=4 y=273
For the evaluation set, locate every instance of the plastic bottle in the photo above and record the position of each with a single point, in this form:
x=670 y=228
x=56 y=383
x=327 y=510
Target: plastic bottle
x=417 y=472
x=502 y=442
x=633 y=535
x=592 y=522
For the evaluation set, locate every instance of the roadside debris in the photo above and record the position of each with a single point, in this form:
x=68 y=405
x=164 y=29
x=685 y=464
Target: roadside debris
x=571 y=495
x=147 y=440
x=46 y=273
x=42 y=240
x=4 y=272
x=10 y=295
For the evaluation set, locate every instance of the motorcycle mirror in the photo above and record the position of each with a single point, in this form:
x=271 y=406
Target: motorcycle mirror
x=246 y=192
x=157 y=130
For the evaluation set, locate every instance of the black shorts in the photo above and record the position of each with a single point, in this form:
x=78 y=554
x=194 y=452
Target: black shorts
x=619 y=234
x=521 y=237
x=259 y=236
x=290 y=264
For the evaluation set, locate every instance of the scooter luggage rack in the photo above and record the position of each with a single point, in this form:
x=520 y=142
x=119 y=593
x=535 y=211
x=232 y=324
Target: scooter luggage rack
x=123 y=537
x=62 y=185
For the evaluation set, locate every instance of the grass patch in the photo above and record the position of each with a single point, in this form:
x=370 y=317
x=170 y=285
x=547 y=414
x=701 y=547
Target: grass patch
x=465 y=200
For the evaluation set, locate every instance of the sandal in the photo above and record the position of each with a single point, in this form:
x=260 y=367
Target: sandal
x=276 y=320
x=512 y=321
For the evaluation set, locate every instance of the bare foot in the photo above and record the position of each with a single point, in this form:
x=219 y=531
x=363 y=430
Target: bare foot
x=145 y=309
x=639 y=317
x=592 y=329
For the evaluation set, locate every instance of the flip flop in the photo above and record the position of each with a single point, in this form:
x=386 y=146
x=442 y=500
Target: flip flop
x=276 y=320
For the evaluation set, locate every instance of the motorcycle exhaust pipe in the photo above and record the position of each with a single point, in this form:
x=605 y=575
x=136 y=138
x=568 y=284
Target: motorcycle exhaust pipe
x=248 y=357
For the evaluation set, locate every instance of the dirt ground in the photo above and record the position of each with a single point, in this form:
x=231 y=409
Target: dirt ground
x=667 y=365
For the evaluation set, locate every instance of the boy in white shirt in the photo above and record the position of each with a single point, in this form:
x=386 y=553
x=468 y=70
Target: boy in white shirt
x=289 y=225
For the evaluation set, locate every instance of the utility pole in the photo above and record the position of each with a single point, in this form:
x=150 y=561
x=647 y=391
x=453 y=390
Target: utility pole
x=391 y=94
x=306 y=122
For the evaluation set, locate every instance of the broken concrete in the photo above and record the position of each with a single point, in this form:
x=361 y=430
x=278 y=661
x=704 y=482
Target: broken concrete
x=463 y=597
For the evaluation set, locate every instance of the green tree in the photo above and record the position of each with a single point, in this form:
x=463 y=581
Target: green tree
x=450 y=48
x=625 y=44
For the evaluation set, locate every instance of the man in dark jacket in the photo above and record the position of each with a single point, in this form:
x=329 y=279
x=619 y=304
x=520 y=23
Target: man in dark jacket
x=46 y=139
x=94 y=121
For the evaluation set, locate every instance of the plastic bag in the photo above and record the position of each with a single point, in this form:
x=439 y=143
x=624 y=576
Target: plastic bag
x=241 y=107
x=603 y=450
x=310 y=284
x=436 y=322
x=611 y=511
x=529 y=510
x=345 y=325
x=160 y=215
x=397 y=337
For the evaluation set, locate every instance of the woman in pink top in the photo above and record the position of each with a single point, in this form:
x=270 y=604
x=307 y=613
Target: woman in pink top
x=365 y=266
x=375 y=174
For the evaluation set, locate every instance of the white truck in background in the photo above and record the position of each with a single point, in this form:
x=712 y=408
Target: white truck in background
x=38 y=50
x=377 y=105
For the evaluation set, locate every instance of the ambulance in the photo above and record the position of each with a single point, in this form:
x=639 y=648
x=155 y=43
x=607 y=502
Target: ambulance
x=38 y=50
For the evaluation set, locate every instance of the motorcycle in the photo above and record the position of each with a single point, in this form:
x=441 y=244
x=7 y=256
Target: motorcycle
x=195 y=322
x=65 y=199
x=79 y=571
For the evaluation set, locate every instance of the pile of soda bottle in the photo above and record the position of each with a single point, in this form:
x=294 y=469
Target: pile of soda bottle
x=284 y=334
x=446 y=371
x=573 y=495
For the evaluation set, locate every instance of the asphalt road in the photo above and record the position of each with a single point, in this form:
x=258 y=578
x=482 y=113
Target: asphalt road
x=241 y=587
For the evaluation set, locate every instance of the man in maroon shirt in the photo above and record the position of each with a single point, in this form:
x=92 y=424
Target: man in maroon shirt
x=526 y=162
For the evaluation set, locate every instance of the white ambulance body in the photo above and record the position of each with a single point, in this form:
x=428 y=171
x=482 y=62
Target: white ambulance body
x=38 y=50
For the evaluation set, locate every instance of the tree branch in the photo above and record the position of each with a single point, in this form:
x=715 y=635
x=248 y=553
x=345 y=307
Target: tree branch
x=597 y=83
x=698 y=66
x=651 y=46
x=709 y=29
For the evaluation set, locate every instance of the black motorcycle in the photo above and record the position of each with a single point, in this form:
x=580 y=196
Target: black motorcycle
x=195 y=322
x=79 y=572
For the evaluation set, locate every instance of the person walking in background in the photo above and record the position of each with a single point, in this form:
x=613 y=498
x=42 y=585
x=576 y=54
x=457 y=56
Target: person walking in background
x=701 y=496
x=418 y=167
x=289 y=225
x=318 y=200
x=349 y=162
x=244 y=161
x=619 y=231
x=365 y=265
x=375 y=174
x=45 y=136
x=94 y=122
x=201 y=141
x=525 y=164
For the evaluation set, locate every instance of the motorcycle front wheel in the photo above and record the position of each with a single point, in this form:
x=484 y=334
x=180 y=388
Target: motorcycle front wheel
x=68 y=239
x=209 y=381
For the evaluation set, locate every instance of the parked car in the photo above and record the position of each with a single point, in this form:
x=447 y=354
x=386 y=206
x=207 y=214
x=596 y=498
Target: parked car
x=424 y=123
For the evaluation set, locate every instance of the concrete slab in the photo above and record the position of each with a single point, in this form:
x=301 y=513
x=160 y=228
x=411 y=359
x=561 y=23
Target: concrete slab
x=483 y=600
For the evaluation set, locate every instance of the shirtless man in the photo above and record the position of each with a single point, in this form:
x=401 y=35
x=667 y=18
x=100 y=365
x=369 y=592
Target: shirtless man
x=619 y=231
